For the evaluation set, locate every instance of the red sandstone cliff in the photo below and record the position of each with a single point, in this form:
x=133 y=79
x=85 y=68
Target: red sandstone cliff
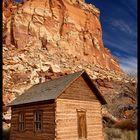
x=44 y=39
x=52 y=35
x=60 y=26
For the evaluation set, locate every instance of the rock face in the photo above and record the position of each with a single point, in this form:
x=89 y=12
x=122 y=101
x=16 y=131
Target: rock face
x=45 y=39
x=60 y=27
x=49 y=38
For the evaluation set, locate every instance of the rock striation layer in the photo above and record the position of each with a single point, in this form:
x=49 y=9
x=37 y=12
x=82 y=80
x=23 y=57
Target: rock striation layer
x=49 y=38
x=46 y=39
x=60 y=26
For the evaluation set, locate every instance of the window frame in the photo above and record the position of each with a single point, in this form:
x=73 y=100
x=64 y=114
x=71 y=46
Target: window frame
x=80 y=134
x=21 y=121
x=38 y=122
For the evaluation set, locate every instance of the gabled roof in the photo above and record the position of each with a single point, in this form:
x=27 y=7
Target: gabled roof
x=52 y=89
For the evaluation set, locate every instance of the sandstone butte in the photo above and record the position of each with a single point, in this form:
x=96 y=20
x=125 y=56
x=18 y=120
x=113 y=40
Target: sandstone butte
x=72 y=27
x=48 y=38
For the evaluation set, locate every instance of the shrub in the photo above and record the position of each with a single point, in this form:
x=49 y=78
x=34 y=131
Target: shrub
x=6 y=133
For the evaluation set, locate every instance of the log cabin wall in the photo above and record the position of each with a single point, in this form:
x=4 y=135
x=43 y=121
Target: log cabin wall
x=48 y=132
x=78 y=96
x=66 y=119
x=78 y=90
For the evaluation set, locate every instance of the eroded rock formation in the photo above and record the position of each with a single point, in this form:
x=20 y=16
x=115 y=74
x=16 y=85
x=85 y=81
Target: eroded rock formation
x=61 y=35
x=45 y=39
x=59 y=27
x=49 y=38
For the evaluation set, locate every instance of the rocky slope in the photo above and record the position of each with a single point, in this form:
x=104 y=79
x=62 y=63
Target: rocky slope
x=61 y=35
x=46 y=39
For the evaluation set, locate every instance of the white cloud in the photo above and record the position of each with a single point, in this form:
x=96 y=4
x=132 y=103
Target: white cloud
x=129 y=64
x=123 y=46
x=121 y=25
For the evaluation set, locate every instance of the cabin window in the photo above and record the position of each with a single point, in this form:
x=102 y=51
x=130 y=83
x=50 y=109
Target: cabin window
x=82 y=128
x=21 y=122
x=38 y=121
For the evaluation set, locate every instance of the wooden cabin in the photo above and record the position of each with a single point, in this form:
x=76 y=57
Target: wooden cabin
x=67 y=108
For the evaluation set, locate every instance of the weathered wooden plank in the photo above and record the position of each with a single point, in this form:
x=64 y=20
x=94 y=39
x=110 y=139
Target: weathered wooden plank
x=95 y=133
x=29 y=110
x=33 y=138
x=62 y=122
x=71 y=105
x=82 y=93
x=48 y=123
x=66 y=118
x=67 y=134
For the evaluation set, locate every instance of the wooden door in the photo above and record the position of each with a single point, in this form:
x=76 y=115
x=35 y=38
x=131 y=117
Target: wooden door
x=82 y=128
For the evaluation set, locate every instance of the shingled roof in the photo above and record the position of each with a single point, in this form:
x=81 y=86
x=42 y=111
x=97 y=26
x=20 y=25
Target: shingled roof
x=52 y=89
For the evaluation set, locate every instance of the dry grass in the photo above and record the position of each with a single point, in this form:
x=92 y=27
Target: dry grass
x=119 y=134
x=126 y=124
x=6 y=134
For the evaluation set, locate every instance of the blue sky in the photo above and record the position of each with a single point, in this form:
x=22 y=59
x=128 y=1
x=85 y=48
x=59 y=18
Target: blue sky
x=119 y=25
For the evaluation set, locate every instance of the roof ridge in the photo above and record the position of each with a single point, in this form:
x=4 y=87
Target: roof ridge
x=51 y=89
x=80 y=72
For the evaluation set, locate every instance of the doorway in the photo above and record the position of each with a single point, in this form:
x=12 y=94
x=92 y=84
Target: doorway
x=82 y=128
